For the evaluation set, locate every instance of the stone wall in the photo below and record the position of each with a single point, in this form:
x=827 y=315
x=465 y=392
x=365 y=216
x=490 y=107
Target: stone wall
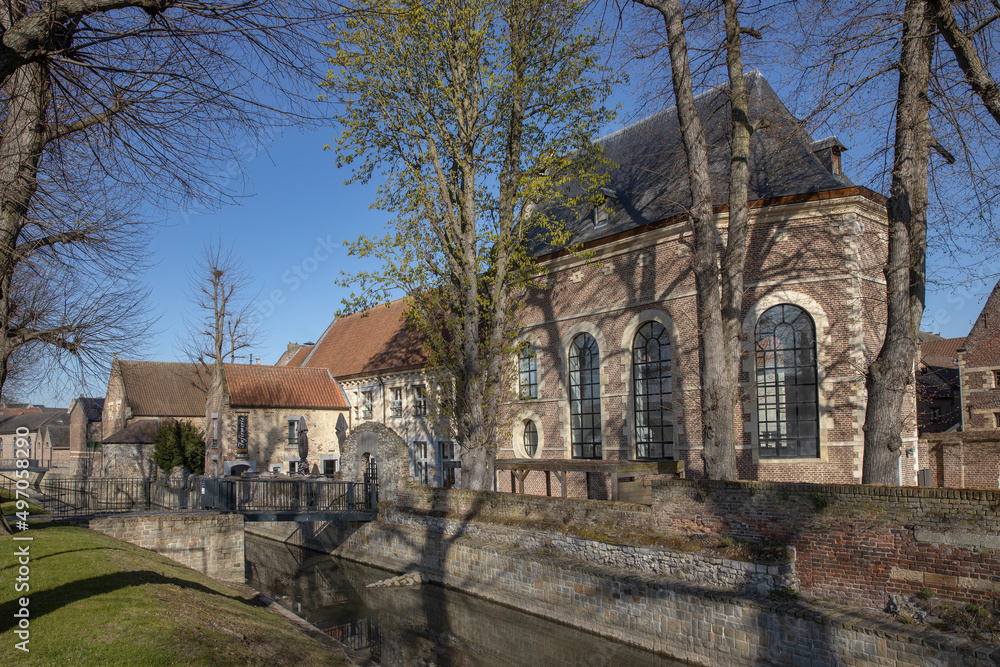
x=692 y=622
x=390 y=451
x=962 y=460
x=854 y=544
x=126 y=461
x=209 y=543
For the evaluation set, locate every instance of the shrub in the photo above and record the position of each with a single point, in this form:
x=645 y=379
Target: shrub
x=179 y=444
x=926 y=593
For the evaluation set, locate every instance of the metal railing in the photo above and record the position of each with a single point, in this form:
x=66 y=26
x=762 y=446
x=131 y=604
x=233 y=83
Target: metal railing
x=258 y=499
x=75 y=497
x=12 y=464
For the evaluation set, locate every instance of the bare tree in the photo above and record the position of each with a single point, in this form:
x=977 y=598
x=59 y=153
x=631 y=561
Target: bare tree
x=717 y=262
x=851 y=51
x=223 y=322
x=111 y=106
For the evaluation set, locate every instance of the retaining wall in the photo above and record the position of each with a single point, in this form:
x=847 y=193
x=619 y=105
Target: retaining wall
x=853 y=544
x=209 y=543
x=658 y=613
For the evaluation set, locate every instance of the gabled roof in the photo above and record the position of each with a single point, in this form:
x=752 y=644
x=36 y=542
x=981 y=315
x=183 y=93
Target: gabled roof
x=941 y=353
x=980 y=345
x=299 y=356
x=165 y=389
x=368 y=342
x=253 y=385
x=33 y=420
x=58 y=434
x=139 y=432
x=648 y=178
x=92 y=407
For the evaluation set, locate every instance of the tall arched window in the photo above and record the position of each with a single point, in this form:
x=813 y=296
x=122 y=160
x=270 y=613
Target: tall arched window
x=787 y=404
x=585 y=397
x=653 y=393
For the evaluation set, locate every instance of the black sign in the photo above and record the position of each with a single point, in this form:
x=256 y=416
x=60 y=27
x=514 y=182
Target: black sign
x=241 y=432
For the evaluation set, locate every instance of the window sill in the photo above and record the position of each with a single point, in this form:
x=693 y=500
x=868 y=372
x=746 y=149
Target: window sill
x=791 y=459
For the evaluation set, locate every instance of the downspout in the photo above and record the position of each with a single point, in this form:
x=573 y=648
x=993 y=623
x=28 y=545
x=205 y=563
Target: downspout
x=961 y=388
x=382 y=396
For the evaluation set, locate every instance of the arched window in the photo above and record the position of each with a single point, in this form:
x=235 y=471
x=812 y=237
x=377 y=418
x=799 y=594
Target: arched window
x=530 y=439
x=787 y=404
x=527 y=375
x=653 y=393
x=585 y=397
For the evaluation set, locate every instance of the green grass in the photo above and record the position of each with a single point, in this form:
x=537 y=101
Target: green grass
x=97 y=601
x=8 y=504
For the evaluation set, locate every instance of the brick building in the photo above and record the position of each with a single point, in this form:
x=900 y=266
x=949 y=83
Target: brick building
x=86 y=432
x=979 y=369
x=34 y=422
x=611 y=370
x=938 y=388
x=255 y=417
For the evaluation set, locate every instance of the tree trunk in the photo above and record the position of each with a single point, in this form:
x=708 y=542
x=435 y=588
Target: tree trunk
x=892 y=371
x=717 y=395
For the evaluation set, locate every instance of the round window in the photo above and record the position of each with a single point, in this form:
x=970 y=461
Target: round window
x=530 y=438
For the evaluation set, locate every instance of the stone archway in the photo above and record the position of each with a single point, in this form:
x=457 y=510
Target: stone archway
x=386 y=447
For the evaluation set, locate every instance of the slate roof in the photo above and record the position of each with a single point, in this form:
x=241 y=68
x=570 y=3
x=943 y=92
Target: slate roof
x=34 y=420
x=254 y=385
x=165 y=389
x=648 y=179
x=58 y=435
x=368 y=342
x=942 y=353
x=92 y=408
x=139 y=432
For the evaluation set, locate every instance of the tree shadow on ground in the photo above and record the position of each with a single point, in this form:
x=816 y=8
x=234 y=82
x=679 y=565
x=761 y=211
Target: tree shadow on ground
x=42 y=602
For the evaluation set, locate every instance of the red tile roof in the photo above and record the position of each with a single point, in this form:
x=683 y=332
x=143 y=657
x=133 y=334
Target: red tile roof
x=253 y=385
x=941 y=353
x=368 y=342
x=299 y=356
x=165 y=389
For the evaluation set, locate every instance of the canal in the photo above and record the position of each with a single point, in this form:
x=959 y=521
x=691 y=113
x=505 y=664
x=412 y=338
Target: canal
x=424 y=625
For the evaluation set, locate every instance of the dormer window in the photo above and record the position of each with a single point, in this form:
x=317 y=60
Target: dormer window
x=601 y=216
x=602 y=212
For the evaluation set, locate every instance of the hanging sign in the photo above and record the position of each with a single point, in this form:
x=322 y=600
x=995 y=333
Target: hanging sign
x=242 y=429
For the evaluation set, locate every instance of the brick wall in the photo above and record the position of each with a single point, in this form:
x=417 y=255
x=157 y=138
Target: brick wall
x=824 y=258
x=854 y=544
x=968 y=460
x=209 y=543
x=693 y=622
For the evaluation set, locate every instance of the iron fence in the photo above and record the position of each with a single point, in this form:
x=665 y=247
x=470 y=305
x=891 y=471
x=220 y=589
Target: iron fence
x=74 y=497
x=314 y=497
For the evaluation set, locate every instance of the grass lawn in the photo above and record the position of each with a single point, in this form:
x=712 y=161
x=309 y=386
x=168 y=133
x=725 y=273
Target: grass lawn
x=8 y=504
x=97 y=601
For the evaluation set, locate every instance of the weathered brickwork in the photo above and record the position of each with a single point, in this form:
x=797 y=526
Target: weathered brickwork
x=962 y=460
x=698 y=623
x=824 y=256
x=979 y=367
x=853 y=544
x=209 y=543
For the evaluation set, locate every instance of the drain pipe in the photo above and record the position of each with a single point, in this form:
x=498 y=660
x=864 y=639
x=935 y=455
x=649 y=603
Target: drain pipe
x=961 y=386
x=382 y=385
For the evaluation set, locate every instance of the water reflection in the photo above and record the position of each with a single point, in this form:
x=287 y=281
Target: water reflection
x=426 y=625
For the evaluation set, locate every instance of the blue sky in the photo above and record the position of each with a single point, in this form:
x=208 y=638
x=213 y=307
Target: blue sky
x=294 y=224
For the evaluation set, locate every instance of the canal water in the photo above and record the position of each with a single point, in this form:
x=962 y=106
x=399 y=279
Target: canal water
x=425 y=625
